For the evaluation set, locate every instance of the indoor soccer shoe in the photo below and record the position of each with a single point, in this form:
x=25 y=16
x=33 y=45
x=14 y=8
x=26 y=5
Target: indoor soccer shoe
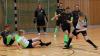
x=47 y=44
x=65 y=47
x=69 y=46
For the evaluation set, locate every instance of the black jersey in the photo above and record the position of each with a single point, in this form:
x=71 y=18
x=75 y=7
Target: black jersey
x=40 y=15
x=75 y=15
x=59 y=10
x=64 y=18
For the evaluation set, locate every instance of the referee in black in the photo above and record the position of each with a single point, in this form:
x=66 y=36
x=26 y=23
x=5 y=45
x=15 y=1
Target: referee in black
x=40 y=18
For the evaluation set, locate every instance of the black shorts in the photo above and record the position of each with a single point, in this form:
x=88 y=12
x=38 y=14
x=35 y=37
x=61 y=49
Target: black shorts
x=11 y=42
x=41 y=23
x=57 y=22
x=5 y=41
x=84 y=33
x=64 y=28
x=30 y=44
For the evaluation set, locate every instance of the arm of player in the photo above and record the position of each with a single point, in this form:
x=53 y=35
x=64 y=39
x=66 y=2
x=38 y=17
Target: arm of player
x=55 y=17
x=69 y=21
x=18 y=46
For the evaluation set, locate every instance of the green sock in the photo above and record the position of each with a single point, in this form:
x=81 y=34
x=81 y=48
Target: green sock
x=56 y=30
x=9 y=37
x=66 y=38
x=71 y=18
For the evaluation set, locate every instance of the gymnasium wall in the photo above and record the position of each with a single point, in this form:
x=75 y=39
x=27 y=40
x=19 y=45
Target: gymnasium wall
x=90 y=7
x=1 y=16
x=94 y=12
x=26 y=8
x=25 y=13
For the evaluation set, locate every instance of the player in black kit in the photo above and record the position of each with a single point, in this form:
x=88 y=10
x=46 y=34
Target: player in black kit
x=76 y=12
x=65 y=23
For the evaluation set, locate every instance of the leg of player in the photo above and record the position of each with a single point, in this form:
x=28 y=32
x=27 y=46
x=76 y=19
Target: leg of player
x=84 y=33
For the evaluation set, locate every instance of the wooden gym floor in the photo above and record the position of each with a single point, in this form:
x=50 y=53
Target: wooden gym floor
x=80 y=47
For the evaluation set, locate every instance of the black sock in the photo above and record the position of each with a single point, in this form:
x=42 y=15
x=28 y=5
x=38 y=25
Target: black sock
x=89 y=41
x=41 y=43
x=38 y=29
x=44 y=29
x=69 y=41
